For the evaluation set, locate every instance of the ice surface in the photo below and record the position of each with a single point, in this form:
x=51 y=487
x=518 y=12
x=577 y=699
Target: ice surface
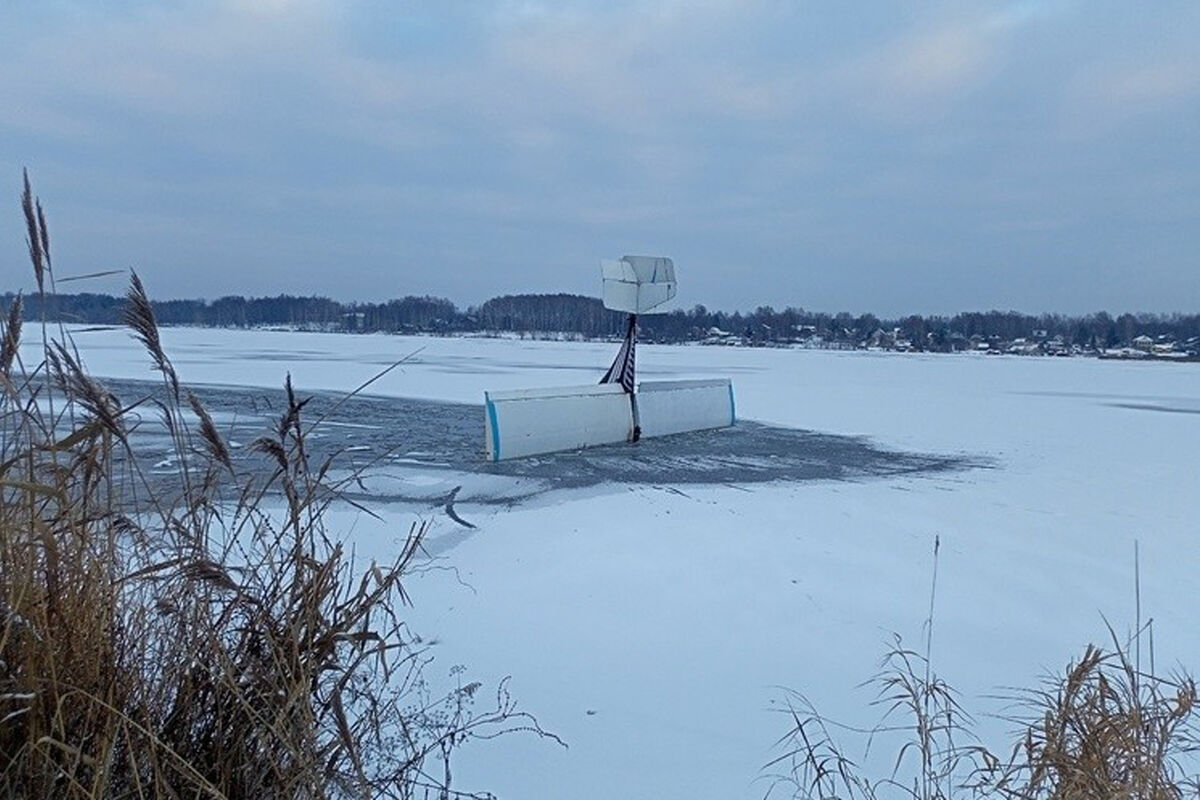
x=673 y=612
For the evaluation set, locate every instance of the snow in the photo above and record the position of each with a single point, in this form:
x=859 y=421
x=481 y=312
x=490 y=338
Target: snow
x=652 y=626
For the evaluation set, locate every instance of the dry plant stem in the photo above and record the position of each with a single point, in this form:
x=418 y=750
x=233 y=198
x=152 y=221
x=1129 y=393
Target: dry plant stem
x=1102 y=730
x=203 y=637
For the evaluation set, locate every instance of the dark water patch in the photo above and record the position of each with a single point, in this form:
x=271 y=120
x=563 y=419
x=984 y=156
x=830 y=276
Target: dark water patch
x=749 y=452
x=422 y=449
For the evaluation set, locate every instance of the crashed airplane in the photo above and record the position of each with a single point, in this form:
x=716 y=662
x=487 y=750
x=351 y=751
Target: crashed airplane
x=537 y=421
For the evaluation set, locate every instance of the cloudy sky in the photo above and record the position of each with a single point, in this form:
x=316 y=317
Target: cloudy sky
x=1042 y=155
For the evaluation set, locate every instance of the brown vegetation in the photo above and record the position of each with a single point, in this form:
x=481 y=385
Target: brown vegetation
x=1101 y=730
x=201 y=637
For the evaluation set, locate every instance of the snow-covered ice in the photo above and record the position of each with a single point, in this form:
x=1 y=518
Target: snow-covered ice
x=651 y=625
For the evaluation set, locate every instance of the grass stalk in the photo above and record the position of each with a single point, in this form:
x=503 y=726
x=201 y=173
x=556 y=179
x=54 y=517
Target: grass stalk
x=204 y=636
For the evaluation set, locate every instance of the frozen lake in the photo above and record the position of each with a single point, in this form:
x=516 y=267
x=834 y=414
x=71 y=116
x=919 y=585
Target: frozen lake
x=417 y=451
x=649 y=615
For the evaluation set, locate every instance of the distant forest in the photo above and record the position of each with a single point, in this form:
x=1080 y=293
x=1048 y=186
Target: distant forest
x=586 y=317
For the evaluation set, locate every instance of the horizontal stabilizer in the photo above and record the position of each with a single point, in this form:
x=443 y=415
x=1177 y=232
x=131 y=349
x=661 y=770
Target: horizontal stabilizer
x=535 y=421
x=528 y=422
x=667 y=407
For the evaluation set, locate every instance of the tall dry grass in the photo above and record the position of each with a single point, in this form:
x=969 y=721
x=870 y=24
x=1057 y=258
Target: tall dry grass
x=1102 y=729
x=204 y=636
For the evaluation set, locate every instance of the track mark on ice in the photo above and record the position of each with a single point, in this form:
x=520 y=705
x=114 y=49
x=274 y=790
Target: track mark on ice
x=450 y=508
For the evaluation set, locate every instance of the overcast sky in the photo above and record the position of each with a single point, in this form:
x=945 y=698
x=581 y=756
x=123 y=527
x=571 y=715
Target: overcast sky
x=1042 y=155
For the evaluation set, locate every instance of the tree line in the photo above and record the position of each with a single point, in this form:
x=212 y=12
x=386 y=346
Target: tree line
x=587 y=317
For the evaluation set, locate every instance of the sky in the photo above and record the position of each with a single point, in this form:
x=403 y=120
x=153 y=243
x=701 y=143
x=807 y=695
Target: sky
x=931 y=157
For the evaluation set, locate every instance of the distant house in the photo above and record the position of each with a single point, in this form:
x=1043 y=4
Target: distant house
x=1023 y=347
x=880 y=339
x=1143 y=343
x=715 y=335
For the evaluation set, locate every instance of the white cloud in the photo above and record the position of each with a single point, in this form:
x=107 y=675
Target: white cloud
x=1161 y=84
x=923 y=70
x=750 y=126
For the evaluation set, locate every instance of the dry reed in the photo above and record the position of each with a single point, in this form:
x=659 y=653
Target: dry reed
x=203 y=637
x=1101 y=730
